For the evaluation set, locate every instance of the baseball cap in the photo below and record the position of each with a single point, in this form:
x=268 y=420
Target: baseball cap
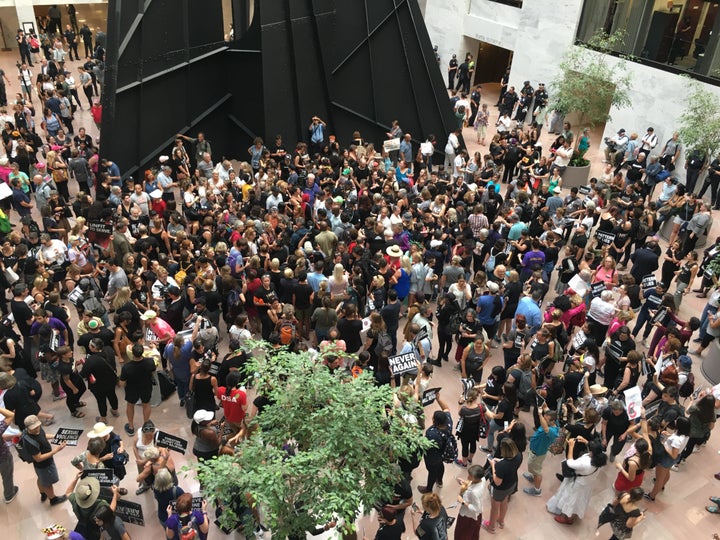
x=32 y=421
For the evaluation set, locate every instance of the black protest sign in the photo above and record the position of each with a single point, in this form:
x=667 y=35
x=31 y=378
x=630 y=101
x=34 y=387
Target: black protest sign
x=214 y=368
x=422 y=334
x=661 y=316
x=579 y=339
x=596 y=289
x=648 y=281
x=197 y=502
x=429 y=396
x=605 y=237
x=584 y=190
x=100 y=227
x=165 y=440
x=67 y=435
x=614 y=350
x=130 y=512
x=403 y=363
x=104 y=476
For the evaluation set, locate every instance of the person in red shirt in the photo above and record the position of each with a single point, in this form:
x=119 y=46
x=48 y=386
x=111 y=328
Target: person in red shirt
x=234 y=402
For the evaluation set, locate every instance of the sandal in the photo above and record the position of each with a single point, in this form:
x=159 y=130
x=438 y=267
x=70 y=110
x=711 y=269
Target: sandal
x=82 y=404
x=486 y=526
x=78 y=414
x=716 y=500
x=101 y=419
x=122 y=491
x=114 y=413
x=461 y=401
x=501 y=524
x=713 y=509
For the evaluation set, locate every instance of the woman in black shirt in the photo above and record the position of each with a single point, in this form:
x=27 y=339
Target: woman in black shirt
x=503 y=481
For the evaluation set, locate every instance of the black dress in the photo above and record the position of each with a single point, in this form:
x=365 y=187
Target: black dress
x=204 y=397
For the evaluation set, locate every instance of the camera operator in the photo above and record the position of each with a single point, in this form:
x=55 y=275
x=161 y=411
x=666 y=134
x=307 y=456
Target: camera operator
x=615 y=146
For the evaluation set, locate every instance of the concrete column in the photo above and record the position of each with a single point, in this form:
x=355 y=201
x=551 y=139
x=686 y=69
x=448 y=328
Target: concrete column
x=25 y=13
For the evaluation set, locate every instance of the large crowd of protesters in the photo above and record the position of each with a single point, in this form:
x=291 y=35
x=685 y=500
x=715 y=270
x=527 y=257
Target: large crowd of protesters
x=534 y=293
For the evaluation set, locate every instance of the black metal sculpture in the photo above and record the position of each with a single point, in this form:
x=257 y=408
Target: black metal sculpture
x=358 y=64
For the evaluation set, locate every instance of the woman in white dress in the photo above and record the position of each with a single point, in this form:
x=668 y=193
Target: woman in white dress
x=573 y=497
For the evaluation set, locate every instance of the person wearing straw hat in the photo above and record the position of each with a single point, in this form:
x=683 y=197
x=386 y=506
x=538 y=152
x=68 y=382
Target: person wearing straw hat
x=83 y=495
x=38 y=444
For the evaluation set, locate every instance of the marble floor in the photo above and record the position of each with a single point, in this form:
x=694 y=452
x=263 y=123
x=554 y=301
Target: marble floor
x=677 y=514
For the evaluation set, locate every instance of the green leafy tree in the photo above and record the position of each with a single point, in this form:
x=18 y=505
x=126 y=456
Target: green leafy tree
x=590 y=82
x=326 y=446
x=700 y=122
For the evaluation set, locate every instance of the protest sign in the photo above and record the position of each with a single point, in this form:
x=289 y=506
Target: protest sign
x=577 y=284
x=429 y=396
x=197 y=501
x=422 y=334
x=596 y=289
x=100 y=227
x=104 y=476
x=130 y=512
x=165 y=440
x=633 y=402
x=648 y=281
x=68 y=435
x=403 y=363
x=605 y=238
x=584 y=190
x=579 y=339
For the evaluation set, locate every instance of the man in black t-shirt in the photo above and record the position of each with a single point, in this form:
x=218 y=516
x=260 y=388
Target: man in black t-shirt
x=23 y=315
x=136 y=378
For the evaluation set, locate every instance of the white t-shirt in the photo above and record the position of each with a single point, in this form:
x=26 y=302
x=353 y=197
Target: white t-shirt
x=676 y=441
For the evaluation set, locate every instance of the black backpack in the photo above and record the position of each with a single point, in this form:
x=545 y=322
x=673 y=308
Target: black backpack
x=24 y=448
x=688 y=387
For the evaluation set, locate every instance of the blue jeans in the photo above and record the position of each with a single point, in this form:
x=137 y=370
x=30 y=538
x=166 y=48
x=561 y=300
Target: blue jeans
x=182 y=386
x=705 y=319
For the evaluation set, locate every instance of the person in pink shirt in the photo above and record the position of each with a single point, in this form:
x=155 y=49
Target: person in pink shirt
x=607 y=273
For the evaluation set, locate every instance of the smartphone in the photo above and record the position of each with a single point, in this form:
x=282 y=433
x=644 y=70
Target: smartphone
x=415 y=507
x=507 y=424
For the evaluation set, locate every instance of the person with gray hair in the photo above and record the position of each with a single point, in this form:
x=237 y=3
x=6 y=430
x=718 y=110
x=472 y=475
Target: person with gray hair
x=166 y=490
x=600 y=315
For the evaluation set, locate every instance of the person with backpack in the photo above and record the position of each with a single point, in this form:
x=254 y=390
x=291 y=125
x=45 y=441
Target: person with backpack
x=185 y=523
x=378 y=340
x=473 y=360
x=35 y=444
x=84 y=497
x=443 y=446
x=503 y=414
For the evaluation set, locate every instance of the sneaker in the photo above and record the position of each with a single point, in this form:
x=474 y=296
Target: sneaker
x=439 y=484
x=15 y=492
x=460 y=463
x=61 y=395
x=129 y=430
x=142 y=489
x=612 y=458
x=535 y=492
x=649 y=497
x=675 y=468
x=529 y=477
x=644 y=342
x=424 y=489
x=485 y=449
x=43 y=497
x=58 y=500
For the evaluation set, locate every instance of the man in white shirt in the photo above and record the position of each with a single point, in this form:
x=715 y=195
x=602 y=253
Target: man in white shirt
x=648 y=142
x=453 y=143
x=563 y=156
x=141 y=199
x=615 y=145
x=459 y=164
x=53 y=251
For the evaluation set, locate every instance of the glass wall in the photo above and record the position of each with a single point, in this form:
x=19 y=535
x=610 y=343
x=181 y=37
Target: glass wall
x=679 y=36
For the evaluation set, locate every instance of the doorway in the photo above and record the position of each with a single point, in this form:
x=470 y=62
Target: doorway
x=492 y=61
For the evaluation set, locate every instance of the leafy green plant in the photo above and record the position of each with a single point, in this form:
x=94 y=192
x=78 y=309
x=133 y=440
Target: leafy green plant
x=327 y=446
x=700 y=122
x=578 y=159
x=590 y=82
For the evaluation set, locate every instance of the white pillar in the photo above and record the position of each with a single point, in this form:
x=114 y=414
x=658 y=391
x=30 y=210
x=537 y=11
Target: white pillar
x=25 y=13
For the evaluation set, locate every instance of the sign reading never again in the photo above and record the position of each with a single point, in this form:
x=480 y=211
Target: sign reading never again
x=403 y=363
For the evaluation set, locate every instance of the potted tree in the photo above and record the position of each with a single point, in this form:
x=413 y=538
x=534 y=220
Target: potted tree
x=700 y=128
x=589 y=83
